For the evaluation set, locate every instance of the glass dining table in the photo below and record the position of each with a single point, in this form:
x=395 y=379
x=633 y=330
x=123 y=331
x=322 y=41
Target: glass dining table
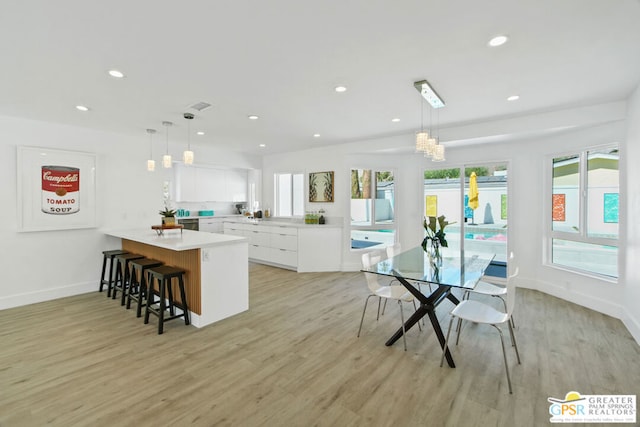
x=454 y=270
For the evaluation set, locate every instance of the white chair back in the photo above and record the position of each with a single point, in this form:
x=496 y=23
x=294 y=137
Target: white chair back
x=511 y=291
x=393 y=250
x=368 y=260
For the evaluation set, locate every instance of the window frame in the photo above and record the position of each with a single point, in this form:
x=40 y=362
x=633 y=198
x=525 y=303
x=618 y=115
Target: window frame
x=373 y=226
x=277 y=192
x=582 y=236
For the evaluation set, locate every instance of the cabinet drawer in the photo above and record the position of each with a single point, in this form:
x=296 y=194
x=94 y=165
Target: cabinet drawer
x=282 y=229
x=257 y=238
x=284 y=241
x=284 y=257
x=260 y=253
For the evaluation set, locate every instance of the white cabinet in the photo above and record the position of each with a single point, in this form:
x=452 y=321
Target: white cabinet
x=211 y=225
x=210 y=185
x=207 y=184
x=304 y=249
x=236 y=185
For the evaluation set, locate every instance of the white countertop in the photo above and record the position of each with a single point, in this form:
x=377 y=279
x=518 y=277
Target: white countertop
x=276 y=223
x=174 y=240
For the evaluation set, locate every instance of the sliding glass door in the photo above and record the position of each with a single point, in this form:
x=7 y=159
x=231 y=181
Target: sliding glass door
x=476 y=211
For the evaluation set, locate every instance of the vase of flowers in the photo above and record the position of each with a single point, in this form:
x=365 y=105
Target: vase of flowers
x=435 y=238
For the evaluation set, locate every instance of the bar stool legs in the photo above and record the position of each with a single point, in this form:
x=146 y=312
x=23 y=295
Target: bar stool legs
x=109 y=256
x=164 y=276
x=138 y=283
x=122 y=274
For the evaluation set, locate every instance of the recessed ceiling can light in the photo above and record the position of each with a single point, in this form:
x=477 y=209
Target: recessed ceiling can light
x=340 y=89
x=262 y=145
x=200 y=133
x=117 y=74
x=395 y=120
x=316 y=135
x=513 y=98
x=498 y=41
x=253 y=117
x=82 y=108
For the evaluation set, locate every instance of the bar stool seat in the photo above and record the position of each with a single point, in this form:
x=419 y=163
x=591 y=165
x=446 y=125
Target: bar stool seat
x=164 y=276
x=137 y=289
x=122 y=274
x=109 y=256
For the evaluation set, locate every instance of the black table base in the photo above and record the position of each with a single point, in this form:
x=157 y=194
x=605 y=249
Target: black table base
x=428 y=306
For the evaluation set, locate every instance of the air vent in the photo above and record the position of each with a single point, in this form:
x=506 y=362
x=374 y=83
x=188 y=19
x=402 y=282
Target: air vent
x=200 y=106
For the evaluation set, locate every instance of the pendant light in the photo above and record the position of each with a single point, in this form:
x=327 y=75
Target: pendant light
x=421 y=137
x=166 y=159
x=151 y=164
x=429 y=144
x=187 y=156
x=438 y=149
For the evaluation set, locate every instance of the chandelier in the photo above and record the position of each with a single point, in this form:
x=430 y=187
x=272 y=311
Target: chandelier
x=428 y=144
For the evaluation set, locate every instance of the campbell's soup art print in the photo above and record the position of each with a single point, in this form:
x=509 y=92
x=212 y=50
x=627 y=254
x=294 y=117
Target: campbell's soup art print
x=60 y=190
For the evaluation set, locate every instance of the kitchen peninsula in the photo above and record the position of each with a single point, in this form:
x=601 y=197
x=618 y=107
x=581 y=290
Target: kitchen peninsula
x=217 y=275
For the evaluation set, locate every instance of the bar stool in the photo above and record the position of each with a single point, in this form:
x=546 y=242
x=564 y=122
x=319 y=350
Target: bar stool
x=137 y=289
x=122 y=274
x=109 y=256
x=164 y=275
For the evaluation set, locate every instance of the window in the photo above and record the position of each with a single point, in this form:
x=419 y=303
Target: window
x=482 y=229
x=289 y=194
x=372 y=208
x=584 y=211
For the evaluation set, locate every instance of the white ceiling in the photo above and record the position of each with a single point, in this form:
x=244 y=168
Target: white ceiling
x=281 y=59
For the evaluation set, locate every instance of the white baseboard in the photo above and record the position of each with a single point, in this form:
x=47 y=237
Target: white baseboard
x=632 y=323
x=589 y=301
x=47 y=294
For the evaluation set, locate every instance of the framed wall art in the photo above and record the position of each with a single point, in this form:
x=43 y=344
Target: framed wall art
x=56 y=189
x=321 y=187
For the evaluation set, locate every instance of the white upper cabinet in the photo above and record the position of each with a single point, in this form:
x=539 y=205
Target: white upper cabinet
x=207 y=184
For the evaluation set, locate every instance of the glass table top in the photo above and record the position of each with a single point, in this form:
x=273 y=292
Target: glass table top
x=454 y=270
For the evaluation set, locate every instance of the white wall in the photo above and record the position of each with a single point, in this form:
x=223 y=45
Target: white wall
x=631 y=289
x=527 y=157
x=39 y=266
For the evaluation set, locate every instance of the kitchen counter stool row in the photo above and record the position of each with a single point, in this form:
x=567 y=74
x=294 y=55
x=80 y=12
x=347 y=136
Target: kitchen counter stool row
x=135 y=275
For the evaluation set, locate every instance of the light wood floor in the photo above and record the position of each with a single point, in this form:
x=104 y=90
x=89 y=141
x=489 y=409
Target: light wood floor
x=294 y=360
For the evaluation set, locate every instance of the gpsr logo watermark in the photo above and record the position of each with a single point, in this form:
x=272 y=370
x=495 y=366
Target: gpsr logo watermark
x=605 y=408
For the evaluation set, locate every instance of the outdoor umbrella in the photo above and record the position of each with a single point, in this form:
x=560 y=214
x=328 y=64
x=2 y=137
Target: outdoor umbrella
x=473 y=192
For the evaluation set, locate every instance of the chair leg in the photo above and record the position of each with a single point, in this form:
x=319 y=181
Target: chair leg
x=404 y=333
x=363 y=311
x=446 y=341
x=385 y=304
x=504 y=354
x=416 y=309
x=513 y=341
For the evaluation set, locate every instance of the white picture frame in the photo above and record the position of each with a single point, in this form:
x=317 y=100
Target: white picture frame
x=35 y=212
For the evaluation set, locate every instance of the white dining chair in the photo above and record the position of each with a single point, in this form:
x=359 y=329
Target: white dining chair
x=495 y=290
x=395 y=250
x=391 y=292
x=481 y=313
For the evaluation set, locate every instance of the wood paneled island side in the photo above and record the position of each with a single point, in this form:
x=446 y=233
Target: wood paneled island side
x=217 y=275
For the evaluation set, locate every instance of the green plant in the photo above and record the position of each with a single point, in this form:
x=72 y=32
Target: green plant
x=167 y=213
x=435 y=231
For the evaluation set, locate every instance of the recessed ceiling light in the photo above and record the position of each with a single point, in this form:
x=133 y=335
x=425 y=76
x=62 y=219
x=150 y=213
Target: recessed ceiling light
x=316 y=135
x=82 y=108
x=513 y=98
x=262 y=145
x=498 y=41
x=253 y=117
x=395 y=120
x=200 y=133
x=117 y=74
x=340 y=89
